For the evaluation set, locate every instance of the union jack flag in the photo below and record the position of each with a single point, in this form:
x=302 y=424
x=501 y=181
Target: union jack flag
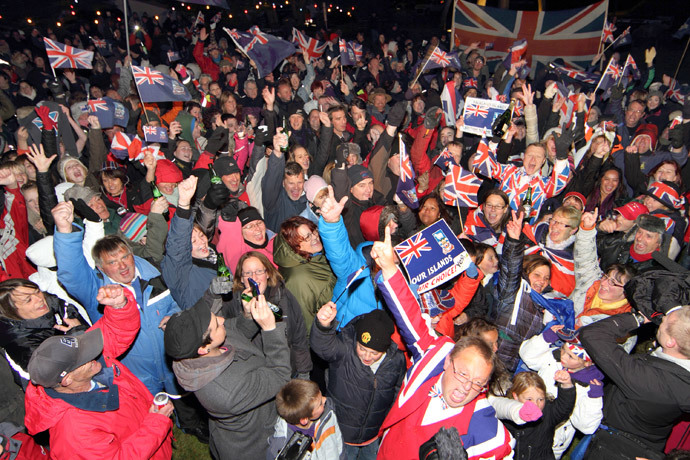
x=484 y=162
x=155 y=134
x=440 y=57
x=97 y=104
x=666 y=193
x=63 y=56
x=412 y=247
x=444 y=159
x=54 y=115
x=406 y=190
x=470 y=83
x=607 y=32
x=573 y=35
x=519 y=109
x=476 y=111
x=562 y=263
x=146 y=76
x=436 y=301
x=675 y=92
x=611 y=75
x=259 y=37
x=99 y=42
x=357 y=49
x=125 y=146
x=574 y=74
x=515 y=53
x=630 y=68
x=461 y=188
x=307 y=44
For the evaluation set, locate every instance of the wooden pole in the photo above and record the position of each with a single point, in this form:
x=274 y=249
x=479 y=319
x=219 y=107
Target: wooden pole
x=681 y=58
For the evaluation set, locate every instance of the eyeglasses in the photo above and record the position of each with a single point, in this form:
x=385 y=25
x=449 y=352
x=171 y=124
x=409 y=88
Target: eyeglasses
x=310 y=236
x=253 y=226
x=464 y=380
x=555 y=222
x=612 y=281
x=259 y=272
x=492 y=207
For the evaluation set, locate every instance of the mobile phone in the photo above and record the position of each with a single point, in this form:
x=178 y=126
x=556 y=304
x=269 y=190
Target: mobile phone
x=255 y=287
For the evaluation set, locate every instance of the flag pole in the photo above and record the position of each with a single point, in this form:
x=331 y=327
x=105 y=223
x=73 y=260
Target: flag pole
x=681 y=58
x=452 y=26
x=626 y=31
x=146 y=115
x=419 y=73
x=124 y=3
x=603 y=75
x=606 y=20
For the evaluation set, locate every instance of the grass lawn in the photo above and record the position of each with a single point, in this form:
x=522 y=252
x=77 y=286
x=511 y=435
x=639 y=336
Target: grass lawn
x=187 y=447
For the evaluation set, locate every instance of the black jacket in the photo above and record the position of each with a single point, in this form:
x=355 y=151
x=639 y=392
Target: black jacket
x=534 y=440
x=20 y=338
x=362 y=399
x=645 y=394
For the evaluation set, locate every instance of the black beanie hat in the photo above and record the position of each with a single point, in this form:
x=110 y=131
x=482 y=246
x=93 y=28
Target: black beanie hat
x=248 y=215
x=374 y=330
x=184 y=331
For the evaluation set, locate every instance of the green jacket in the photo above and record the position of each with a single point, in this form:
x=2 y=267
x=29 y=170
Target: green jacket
x=310 y=281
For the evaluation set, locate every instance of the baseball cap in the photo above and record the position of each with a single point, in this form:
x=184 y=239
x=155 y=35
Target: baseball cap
x=632 y=210
x=59 y=355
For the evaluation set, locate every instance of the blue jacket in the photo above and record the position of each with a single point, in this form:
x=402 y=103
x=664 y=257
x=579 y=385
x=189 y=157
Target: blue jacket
x=360 y=298
x=146 y=357
x=186 y=280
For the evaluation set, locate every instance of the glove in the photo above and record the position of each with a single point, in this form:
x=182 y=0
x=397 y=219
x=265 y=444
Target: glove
x=84 y=210
x=617 y=93
x=216 y=196
x=397 y=114
x=217 y=140
x=432 y=118
x=530 y=412
x=550 y=92
x=230 y=210
x=563 y=143
x=49 y=141
x=549 y=336
x=675 y=137
x=220 y=285
x=43 y=113
x=472 y=271
x=446 y=444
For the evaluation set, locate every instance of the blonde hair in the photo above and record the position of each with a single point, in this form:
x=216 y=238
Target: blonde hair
x=572 y=214
x=523 y=381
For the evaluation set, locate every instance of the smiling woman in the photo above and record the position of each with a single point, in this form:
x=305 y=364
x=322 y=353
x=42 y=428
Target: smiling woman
x=29 y=316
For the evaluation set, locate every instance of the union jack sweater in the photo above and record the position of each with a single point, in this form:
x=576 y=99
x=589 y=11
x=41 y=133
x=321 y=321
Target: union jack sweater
x=415 y=416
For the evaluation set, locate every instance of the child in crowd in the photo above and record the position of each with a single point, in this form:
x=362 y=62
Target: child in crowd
x=303 y=408
x=540 y=355
x=533 y=439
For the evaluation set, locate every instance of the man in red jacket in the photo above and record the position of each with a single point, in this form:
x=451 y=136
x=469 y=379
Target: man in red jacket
x=92 y=405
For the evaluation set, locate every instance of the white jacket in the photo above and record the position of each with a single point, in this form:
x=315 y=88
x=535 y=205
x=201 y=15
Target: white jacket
x=537 y=354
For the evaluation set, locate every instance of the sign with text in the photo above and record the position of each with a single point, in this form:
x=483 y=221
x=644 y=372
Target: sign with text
x=433 y=256
x=479 y=115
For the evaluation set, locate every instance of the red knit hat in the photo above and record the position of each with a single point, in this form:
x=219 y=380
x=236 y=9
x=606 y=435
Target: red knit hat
x=647 y=129
x=369 y=222
x=167 y=172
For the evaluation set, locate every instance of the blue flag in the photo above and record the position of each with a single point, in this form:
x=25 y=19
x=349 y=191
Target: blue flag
x=684 y=30
x=267 y=51
x=155 y=134
x=109 y=112
x=153 y=86
x=433 y=256
x=347 y=53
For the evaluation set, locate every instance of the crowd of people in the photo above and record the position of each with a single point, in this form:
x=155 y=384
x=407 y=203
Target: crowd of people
x=216 y=272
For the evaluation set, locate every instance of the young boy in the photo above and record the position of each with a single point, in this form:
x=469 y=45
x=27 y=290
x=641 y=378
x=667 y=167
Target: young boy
x=303 y=408
x=541 y=355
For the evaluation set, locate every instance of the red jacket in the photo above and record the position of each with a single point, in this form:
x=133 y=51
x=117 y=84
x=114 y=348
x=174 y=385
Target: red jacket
x=15 y=265
x=206 y=63
x=128 y=432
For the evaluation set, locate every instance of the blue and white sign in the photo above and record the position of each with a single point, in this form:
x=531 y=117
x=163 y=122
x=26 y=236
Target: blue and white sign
x=479 y=115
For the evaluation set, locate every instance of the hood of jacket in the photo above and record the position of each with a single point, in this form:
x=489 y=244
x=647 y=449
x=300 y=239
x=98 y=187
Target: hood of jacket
x=195 y=373
x=285 y=256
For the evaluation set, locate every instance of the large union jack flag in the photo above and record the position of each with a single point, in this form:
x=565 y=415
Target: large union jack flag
x=572 y=35
x=412 y=247
x=311 y=46
x=461 y=188
x=63 y=56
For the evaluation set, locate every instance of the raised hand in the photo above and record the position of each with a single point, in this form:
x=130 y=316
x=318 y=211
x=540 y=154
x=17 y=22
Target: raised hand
x=325 y=120
x=589 y=219
x=112 y=295
x=63 y=215
x=527 y=95
x=384 y=255
x=514 y=226
x=94 y=122
x=7 y=178
x=262 y=314
x=203 y=34
x=67 y=324
x=174 y=129
x=269 y=95
x=38 y=157
x=160 y=205
x=331 y=209
x=326 y=314
x=186 y=189
x=563 y=377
